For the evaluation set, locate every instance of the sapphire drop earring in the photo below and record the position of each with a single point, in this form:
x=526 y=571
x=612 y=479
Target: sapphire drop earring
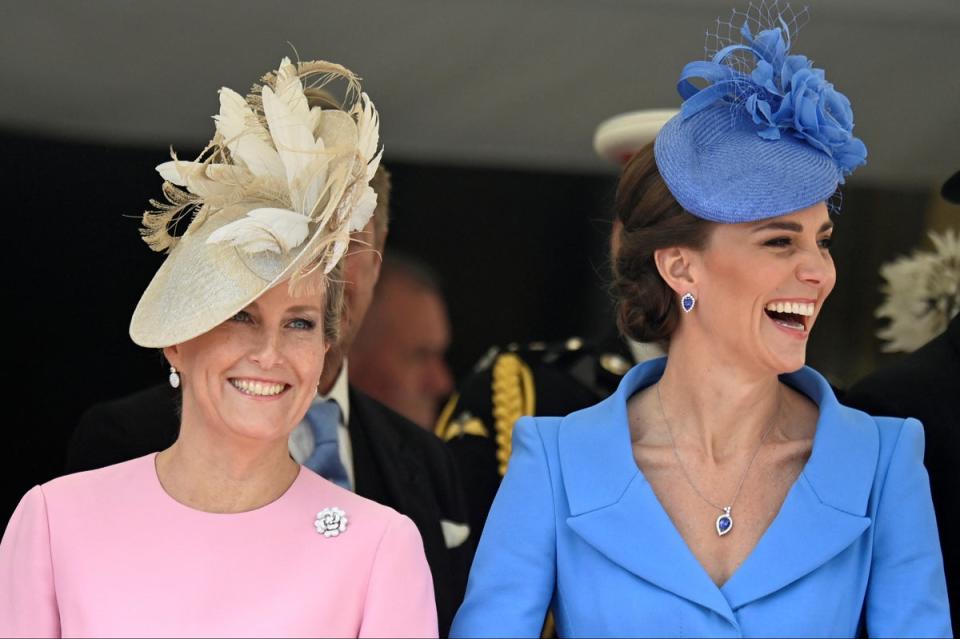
x=687 y=302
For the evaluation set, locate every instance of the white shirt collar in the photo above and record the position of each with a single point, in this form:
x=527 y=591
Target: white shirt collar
x=340 y=393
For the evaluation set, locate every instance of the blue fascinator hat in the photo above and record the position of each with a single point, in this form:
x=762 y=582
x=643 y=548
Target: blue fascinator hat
x=766 y=136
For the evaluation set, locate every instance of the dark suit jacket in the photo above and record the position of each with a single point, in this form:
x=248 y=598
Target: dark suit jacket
x=926 y=385
x=566 y=376
x=395 y=462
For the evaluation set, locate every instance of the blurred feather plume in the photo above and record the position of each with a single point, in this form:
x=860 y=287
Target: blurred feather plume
x=922 y=294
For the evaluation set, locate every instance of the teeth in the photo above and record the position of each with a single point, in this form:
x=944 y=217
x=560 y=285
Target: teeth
x=796 y=308
x=257 y=388
x=797 y=326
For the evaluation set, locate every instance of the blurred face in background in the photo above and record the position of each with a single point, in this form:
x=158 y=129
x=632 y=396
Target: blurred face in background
x=361 y=268
x=398 y=354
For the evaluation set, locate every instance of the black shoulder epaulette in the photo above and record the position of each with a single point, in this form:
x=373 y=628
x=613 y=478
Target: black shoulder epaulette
x=537 y=378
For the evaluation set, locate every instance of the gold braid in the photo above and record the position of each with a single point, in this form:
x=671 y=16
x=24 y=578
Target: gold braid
x=443 y=421
x=513 y=397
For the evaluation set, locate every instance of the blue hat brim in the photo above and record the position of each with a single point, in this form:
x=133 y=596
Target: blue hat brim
x=719 y=169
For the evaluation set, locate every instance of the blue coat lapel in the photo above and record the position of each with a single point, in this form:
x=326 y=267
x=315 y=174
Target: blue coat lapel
x=655 y=552
x=825 y=511
x=613 y=508
x=805 y=535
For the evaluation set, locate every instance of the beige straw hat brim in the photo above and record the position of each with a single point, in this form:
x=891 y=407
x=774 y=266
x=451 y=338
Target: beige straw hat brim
x=200 y=285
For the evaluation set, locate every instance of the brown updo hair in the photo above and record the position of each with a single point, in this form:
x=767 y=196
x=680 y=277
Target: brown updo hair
x=648 y=310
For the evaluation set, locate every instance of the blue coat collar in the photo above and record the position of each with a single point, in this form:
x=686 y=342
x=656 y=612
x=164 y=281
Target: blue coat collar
x=614 y=509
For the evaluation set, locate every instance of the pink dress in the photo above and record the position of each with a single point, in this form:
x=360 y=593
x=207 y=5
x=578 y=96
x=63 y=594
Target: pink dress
x=108 y=553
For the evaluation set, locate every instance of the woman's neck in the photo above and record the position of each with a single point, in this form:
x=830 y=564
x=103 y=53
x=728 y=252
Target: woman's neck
x=218 y=473
x=716 y=403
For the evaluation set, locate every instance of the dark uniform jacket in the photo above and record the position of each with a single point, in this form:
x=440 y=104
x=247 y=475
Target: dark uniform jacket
x=926 y=385
x=395 y=462
x=535 y=379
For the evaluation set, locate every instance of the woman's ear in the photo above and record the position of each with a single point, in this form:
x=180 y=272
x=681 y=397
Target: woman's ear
x=674 y=264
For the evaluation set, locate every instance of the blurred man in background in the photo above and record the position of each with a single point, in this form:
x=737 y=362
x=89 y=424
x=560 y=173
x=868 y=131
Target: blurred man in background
x=398 y=355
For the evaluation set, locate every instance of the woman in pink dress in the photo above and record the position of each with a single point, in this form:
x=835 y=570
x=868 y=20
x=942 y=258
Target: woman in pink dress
x=223 y=534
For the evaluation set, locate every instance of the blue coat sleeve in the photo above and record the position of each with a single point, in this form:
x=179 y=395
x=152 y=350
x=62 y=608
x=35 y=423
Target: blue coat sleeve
x=513 y=575
x=907 y=592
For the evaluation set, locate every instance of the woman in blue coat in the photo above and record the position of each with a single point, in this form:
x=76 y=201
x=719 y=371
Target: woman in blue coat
x=723 y=490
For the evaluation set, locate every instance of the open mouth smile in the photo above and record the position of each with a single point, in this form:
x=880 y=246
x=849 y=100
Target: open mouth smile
x=793 y=316
x=258 y=388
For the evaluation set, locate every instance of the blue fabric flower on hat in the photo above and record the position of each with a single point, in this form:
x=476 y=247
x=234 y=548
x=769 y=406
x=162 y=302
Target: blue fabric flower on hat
x=783 y=95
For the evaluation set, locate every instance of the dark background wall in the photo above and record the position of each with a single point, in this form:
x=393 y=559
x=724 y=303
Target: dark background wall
x=522 y=256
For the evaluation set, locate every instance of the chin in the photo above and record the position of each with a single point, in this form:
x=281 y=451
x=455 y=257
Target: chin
x=791 y=369
x=783 y=354
x=259 y=432
x=262 y=427
x=785 y=363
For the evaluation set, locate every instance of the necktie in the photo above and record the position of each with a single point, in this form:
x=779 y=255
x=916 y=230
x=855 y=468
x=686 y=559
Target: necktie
x=324 y=420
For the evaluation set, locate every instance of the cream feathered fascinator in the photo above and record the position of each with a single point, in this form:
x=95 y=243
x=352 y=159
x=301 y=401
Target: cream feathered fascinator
x=273 y=197
x=922 y=294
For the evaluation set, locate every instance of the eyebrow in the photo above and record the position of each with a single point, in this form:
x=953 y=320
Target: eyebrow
x=790 y=226
x=303 y=309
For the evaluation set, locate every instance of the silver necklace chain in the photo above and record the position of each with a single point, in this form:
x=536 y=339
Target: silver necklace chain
x=676 y=453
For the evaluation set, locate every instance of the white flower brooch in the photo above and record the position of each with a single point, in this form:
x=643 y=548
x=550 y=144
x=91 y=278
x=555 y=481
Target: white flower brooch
x=331 y=522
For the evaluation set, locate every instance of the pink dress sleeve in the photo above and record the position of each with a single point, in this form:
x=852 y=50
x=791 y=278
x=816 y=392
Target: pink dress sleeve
x=400 y=600
x=28 y=601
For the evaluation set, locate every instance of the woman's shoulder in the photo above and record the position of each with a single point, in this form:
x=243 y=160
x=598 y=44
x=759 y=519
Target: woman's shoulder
x=91 y=485
x=889 y=431
x=888 y=440
x=537 y=434
x=550 y=426
x=899 y=437
x=87 y=496
x=339 y=503
x=574 y=442
x=853 y=423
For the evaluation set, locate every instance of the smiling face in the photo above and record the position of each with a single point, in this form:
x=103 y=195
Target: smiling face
x=253 y=376
x=760 y=287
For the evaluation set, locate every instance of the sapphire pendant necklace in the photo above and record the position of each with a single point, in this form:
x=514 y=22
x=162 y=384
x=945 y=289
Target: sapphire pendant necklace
x=724 y=523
